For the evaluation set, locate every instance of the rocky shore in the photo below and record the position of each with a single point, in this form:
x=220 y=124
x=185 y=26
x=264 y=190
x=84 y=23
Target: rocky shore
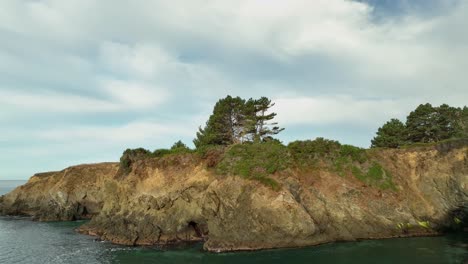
x=175 y=199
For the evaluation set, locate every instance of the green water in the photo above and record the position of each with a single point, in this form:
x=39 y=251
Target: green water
x=24 y=241
x=414 y=250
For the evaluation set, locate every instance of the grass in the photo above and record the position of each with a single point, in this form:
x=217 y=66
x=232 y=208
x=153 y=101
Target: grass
x=255 y=161
x=259 y=161
x=375 y=176
x=130 y=156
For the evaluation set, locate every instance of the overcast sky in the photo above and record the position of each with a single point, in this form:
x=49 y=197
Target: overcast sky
x=82 y=80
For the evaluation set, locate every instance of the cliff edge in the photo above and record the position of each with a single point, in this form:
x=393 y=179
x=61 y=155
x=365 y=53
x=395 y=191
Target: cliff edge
x=181 y=198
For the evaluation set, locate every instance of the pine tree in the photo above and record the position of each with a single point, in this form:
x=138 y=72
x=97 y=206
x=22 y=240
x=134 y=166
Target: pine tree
x=258 y=116
x=225 y=125
x=431 y=124
x=235 y=120
x=421 y=124
x=392 y=134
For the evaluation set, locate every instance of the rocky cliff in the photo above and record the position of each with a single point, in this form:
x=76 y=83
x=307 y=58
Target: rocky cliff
x=179 y=198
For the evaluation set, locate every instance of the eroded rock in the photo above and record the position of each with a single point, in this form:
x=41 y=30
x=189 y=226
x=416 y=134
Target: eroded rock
x=161 y=202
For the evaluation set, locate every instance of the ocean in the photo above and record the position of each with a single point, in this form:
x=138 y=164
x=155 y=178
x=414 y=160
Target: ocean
x=25 y=241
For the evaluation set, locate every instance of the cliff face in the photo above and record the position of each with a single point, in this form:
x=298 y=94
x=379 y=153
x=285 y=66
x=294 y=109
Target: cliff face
x=174 y=199
x=74 y=193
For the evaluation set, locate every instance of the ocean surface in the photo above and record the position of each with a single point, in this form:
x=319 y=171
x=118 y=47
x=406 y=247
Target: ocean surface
x=24 y=241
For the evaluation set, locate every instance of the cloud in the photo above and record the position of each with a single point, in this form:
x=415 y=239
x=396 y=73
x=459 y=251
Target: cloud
x=139 y=131
x=328 y=110
x=118 y=96
x=91 y=74
x=141 y=60
x=130 y=94
x=52 y=102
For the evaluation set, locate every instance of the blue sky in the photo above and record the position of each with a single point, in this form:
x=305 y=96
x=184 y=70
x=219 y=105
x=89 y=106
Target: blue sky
x=82 y=80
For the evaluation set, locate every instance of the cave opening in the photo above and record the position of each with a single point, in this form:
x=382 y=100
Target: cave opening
x=196 y=228
x=81 y=212
x=85 y=211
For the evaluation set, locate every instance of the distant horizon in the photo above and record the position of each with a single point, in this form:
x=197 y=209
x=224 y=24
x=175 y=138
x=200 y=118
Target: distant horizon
x=81 y=87
x=14 y=180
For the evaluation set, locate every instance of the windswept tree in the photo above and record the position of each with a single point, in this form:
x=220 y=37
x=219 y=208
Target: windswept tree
x=392 y=134
x=258 y=125
x=431 y=124
x=235 y=120
x=225 y=125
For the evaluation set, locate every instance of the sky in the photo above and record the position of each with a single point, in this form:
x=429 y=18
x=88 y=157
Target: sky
x=82 y=80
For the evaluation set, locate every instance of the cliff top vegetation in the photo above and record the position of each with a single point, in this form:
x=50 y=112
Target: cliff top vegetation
x=238 y=139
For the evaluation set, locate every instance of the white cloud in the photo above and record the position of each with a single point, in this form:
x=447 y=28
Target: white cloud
x=325 y=110
x=141 y=60
x=129 y=94
x=108 y=62
x=52 y=102
x=131 y=133
x=118 y=96
x=403 y=56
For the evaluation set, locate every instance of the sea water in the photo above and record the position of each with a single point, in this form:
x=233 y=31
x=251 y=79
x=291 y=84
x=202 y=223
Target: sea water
x=25 y=241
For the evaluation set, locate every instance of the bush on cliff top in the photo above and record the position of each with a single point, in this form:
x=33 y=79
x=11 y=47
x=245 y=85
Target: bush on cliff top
x=131 y=155
x=259 y=160
x=310 y=152
x=255 y=161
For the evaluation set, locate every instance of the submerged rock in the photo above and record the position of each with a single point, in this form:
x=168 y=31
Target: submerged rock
x=166 y=201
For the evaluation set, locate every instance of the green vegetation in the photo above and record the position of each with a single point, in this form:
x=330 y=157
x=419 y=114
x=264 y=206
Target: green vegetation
x=375 y=176
x=255 y=161
x=305 y=152
x=130 y=156
x=404 y=226
x=308 y=152
x=426 y=124
x=235 y=120
x=424 y=224
x=238 y=140
x=391 y=135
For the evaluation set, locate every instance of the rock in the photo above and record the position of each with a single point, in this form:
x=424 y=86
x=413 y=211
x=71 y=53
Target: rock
x=166 y=201
x=72 y=194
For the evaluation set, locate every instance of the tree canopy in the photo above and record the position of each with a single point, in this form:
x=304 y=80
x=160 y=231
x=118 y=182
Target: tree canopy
x=236 y=120
x=392 y=134
x=424 y=125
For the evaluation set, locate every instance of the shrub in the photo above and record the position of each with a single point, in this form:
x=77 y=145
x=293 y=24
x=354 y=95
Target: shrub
x=161 y=152
x=309 y=151
x=129 y=156
x=354 y=153
x=212 y=154
x=179 y=147
x=255 y=161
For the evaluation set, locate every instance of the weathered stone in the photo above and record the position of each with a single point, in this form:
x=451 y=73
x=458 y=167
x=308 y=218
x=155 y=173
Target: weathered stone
x=160 y=202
